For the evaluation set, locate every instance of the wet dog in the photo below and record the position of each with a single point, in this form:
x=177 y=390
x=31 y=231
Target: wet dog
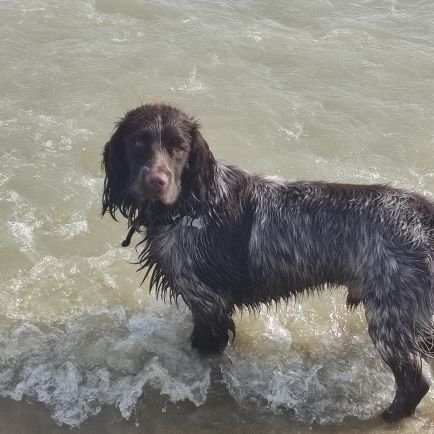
x=221 y=238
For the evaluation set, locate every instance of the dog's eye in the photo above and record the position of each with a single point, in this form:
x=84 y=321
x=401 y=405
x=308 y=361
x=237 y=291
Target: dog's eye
x=178 y=146
x=179 y=149
x=141 y=140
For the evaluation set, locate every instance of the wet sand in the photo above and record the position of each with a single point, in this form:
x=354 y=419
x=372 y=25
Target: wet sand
x=29 y=418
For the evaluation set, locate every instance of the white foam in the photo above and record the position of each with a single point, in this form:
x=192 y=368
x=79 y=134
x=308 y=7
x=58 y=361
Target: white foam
x=101 y=358
x=72 y=229
x=23 y=232
x=324 y=389
x=22 y=221
x=192 y=85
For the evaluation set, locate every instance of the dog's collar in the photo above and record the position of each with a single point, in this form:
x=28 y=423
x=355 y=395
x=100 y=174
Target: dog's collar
x=183 y=219
x=195 y=222
x=167 y=220
x=170 y=220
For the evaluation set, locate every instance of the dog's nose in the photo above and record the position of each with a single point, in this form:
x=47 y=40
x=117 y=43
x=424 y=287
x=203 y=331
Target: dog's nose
x=158 y=180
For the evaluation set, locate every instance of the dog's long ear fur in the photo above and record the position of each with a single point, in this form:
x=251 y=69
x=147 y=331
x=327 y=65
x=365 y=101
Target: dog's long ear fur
x=201 y=166
x=115 y=194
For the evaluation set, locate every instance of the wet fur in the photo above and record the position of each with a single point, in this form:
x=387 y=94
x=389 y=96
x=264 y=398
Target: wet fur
x=234 y=239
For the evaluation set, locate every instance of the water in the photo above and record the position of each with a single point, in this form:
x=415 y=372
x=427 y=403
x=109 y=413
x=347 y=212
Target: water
x=331 y=90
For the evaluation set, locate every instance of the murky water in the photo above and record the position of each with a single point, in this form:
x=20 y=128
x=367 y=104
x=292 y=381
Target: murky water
x=332 y=90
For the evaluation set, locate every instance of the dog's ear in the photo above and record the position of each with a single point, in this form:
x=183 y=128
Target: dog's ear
x=116 y=177
x=201 y=165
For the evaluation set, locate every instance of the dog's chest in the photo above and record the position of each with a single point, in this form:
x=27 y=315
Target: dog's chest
x=172 y=248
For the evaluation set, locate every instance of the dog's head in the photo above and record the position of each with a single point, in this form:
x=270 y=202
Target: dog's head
x=156 y=155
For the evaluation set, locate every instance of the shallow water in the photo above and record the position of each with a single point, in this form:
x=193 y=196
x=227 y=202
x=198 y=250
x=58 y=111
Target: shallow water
x=330 y=90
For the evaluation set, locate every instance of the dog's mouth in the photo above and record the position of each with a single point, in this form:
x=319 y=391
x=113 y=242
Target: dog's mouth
x=167 y=195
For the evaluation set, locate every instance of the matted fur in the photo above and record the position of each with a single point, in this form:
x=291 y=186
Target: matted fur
x=233 y=239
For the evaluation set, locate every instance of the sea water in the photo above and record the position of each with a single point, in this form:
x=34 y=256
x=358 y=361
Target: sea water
x=325 y=90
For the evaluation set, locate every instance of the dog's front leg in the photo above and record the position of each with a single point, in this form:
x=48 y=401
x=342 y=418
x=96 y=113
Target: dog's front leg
x=210 y=334
x=211 y=317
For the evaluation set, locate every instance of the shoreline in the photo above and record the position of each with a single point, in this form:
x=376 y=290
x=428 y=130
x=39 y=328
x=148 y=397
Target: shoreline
x=23 y=417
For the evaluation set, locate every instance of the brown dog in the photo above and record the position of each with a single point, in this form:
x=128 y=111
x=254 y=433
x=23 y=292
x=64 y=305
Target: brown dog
x=221 y=238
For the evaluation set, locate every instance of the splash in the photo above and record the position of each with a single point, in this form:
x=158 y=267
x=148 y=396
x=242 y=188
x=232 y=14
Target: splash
x=104 y=357
x=101 y=358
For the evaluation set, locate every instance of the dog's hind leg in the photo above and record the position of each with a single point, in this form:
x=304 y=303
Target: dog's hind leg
x=391 y=328
x=411 y=387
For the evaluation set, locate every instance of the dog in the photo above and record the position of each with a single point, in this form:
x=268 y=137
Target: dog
x=221 y=238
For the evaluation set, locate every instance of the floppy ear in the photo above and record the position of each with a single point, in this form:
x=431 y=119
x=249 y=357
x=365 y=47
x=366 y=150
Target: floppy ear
x=115 y=196
x=201 y=166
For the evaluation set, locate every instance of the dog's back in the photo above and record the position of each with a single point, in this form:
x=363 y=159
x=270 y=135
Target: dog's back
x=305 y=235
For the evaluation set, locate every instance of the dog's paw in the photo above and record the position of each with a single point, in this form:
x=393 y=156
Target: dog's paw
x=208 y=344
